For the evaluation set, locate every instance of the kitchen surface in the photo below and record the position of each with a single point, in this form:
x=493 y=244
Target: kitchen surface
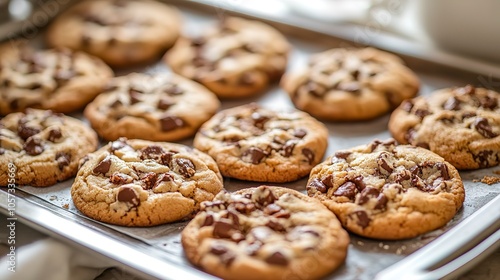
x=47 y=232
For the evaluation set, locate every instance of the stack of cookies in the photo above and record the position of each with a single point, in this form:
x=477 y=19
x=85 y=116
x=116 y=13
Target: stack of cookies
x=387 y=190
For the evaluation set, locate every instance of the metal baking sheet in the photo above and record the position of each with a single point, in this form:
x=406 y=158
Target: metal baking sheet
x=365 y=258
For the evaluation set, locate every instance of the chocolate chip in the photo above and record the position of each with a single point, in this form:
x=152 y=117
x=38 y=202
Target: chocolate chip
x=173 y=90
x=128 y=195
x=386 y=144
x=381 y=202
x=169 y=123
x=186 y=167
x=383 y=164
x=308 y=154
x=64 y=75
x=483 y=127
x=223 y=229
x=135 y=96
x=151 y=152
x=148 y=180
x=266 y=197
x=361 y=218
x=25 y=131
x=366 y=194
x=416 y=171
x=422 y=113
x=358 y=181
x=218 y=249
x=283 y=214
x=468 y=89
x=277 y=258
x=483 y=158
x=271 y=209
x=410 y=135
x=317 y=185
x=452 y=104
x=288 y=148
x=488 y=102
x=116 y=103
x=349 y=86
x=275 y=226
x=444 y=170
x=63 y=159
x=54 y=134
x=118 y=178
x=254 y=155
x=314 y=89
x=347 y=189
x=117 y=145
x=103 y=166
x=166 y=158
x=342 y=155
x=83 y=161
x=259 y=120
x=209 y=220
x=14 y=104
x=407 y=105
x=33 y=146
x=245 y=208
x=164 y=104
x=468 y=115
x=300 y=133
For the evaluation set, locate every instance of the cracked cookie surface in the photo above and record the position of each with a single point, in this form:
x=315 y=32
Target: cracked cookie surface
x=350 y=84
x=56 y=79
x=44 y=147
x=254 y=143
x=265 y=233
x=121 y=32
x=144 y=183
x=388 y=191
x=166 y=107
x=239 y=58
x=460 y=124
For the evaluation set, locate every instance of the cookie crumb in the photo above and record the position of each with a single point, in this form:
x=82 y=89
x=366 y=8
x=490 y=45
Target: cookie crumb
x=490 y=180
x=53 y=197
x=497 y=172
x=66 y=206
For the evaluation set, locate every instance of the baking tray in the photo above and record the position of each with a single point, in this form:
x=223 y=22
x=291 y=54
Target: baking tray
x=156 y=252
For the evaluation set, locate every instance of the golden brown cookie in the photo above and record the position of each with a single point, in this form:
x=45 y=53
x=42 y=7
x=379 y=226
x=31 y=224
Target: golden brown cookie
x=159 y=107
x=57 y=79
x=265 y=233
x=254 y=143
x=143 y=183
x=239 y=58
x=120 y=32
x=44 y=147
x=350 y=84
x=460 y=124
x=388 y=191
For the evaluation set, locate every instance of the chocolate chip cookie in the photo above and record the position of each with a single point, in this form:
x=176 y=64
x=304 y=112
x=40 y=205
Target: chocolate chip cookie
x=388 y=191
x=44 y=147
x=238 y=58
x=350 y=84
x=143 y=183
x=254 y=143
x=160 y=107
x=59 y=80
x=460 y=124
x=265 y=233
x=121 y=32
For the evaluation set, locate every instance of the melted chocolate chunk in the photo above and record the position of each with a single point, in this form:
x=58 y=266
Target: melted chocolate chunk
x=271 y=209
x=407 y=105
x=366 y=194
x=467 y=90
x=488 y=102
x=25 y=131
x=349 y=87
x=148 y=180
x=103 y=166
x=358 y=180
x=120 y=178
x=381 y=202
x=256 y=155
x=383 y=164
x=164 y=177
x=483 y=127
x=223 y=229
x=468 y=115
x=275 y=226
x=444 y=170
x=33 y=146
x=218 y=249
x=328 y=181
x=135 y=96
x=164 y=104
x=318 y=185
x=259 y=120
x=361 y=218
x=309 y=154
x=315 y=89
x=169 y=123
x=277 y=258
x=422 y=113
x=347 y=189
x=152 y=152
x=128 y=195
x=173 y=90
x=63 y=159
x=245 y=208
x=186 y=167
x=166 y=158
x=117 y=145
x=342 y=155
x=288 y=148
x=483 y=158
x=54 y=134
x=209 y=220
x=452 y=104
x=299 y=133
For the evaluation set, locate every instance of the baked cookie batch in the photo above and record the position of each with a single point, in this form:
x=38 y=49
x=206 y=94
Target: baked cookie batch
x=387 y=189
